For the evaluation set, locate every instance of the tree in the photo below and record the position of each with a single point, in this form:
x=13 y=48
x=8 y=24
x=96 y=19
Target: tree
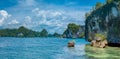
x=24 y=31
x=109 y=1
x=56 y=35
x=98 y=5
x=86 y=15
x=73 y=27
x=44 y=33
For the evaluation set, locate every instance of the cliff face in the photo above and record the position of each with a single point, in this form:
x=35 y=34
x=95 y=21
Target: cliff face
x=104 y=20
x=74 y=31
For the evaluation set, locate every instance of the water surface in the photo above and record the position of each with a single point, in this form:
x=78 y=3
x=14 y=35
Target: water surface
x=41 y=48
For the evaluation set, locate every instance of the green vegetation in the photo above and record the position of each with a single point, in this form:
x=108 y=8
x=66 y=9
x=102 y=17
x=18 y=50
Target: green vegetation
x=73 y=27
x=86 y=15
x=24 y=32
x=74 y=31
x=100 y=21
x=57 y=35
x=44 y=33
x=100 y=53
x=82 y=35
x=109 y=1
x=116 y=27
x=98 y=5
x=103 y=37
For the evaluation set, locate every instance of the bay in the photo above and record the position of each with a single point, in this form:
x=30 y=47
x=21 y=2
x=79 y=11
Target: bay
x=41 y=48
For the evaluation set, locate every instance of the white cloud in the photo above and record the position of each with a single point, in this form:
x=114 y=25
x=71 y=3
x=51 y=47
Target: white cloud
x=47 y=13
x=56 y=13
x=49 y=17
x=14 y=22
x=28 y=22
x=35 y=10
x=3 y=16
x=28 y=19
x=58 y=19
x=32 y=14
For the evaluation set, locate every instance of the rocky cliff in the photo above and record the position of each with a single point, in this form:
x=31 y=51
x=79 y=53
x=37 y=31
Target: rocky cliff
x=106 y=21
x=74 y=31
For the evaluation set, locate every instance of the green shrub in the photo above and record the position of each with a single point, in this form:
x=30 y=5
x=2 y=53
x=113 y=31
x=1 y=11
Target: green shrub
x=103 y=37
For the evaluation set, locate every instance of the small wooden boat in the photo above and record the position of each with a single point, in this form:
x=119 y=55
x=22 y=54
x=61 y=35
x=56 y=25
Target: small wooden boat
x=71 y=44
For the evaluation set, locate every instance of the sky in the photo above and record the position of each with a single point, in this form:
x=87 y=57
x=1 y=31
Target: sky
x=52 y=15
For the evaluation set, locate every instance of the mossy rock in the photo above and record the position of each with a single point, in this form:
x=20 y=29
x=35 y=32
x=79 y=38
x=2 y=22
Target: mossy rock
x=102 y=36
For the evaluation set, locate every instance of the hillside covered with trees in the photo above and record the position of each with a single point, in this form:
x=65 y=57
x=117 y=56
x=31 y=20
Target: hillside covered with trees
x=74 y=31
x=25 y=32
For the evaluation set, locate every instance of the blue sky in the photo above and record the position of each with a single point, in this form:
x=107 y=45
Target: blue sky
x=53 y=15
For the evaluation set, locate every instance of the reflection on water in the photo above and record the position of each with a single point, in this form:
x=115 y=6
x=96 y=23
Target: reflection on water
x=102 y=53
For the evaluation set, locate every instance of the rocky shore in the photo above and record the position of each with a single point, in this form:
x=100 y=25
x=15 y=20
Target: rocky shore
x=99 y=43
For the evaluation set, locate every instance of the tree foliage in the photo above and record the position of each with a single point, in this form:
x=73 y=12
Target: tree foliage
x=86 y=15
x=56 y=35
x=74 y=31
x=98 y=5
x=44 y=33
x=109 y=1
x=22 y=32
x=73 y=27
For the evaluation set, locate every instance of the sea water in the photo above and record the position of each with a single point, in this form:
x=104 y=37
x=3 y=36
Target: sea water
x=41 y=48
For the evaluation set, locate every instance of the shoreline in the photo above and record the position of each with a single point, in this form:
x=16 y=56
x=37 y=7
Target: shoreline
x=102 y=53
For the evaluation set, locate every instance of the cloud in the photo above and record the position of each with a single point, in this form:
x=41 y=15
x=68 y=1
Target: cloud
x=14 y=22
x=3 y=16
x=28 y=19
x=38 y=15
x=48 y=17
x=58 y=20
x=46 y=13
x=28 y=22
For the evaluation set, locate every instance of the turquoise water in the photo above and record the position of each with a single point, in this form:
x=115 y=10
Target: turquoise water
x=41 y=48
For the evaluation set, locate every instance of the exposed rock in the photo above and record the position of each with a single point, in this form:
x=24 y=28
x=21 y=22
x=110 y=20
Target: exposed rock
x=93 y=43
x=100 y=44
x=98 y=39
x=104 y=20
x=74 y=31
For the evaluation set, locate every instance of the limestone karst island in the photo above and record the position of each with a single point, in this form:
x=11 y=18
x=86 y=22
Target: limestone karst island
x=59 y=29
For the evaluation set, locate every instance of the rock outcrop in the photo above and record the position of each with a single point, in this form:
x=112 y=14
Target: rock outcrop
x=74 y=31
x=99 y=43
x=105 y=20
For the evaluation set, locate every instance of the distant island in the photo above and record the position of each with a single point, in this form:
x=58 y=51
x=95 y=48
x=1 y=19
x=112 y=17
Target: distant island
x=72 y=31
x=25 y=32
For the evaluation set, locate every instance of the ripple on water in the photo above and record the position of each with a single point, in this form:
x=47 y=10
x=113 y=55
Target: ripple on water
x=41 y=48
x=76 y=52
